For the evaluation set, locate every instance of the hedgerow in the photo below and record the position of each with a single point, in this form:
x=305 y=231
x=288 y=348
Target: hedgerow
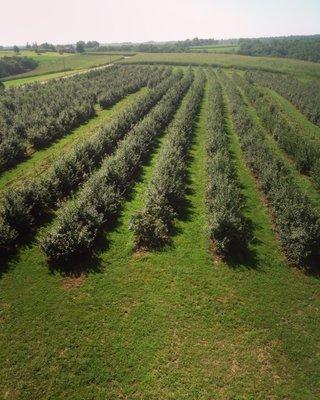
x=229 y=228
x=38 y=196
x=298 y=223
x=166 y=191
x=101 y=198
x=16 y=65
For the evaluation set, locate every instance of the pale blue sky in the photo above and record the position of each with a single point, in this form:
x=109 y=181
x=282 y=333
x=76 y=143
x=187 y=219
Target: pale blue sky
x=65 y=21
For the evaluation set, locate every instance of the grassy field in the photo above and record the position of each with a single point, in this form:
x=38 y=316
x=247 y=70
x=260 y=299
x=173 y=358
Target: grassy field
x=52 y=63
x=302 y=69
x=172 y=324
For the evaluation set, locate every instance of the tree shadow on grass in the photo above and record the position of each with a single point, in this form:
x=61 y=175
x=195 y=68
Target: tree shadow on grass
x=85 y=263
x=312 y=267
x=8 y=259
x=243 y=257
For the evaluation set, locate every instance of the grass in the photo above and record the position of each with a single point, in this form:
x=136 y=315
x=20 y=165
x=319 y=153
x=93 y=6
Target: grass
x=40 y=160
x=304 y=69
x=51 y=63
x=165 y=325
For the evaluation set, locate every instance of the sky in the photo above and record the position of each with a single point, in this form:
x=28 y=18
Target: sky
x=110 y=21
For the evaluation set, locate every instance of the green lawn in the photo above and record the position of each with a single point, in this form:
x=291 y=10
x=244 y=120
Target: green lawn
x=39 y=161
x=173 y=324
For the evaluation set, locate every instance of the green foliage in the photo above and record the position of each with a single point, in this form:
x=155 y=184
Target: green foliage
x=151 y=225
x=80 y=46
x=78 y=223
x=12 y=150
x=315 y=173
x=92 y=44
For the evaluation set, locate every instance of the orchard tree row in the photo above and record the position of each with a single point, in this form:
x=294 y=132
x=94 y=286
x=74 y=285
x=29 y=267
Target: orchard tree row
x=97 y=204
x=21 y=208
x=229 y=228
x=167 y=188
x=36 y=115
x=297 y=222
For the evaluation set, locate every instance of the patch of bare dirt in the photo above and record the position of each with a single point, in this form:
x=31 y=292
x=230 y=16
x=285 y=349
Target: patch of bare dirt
x=72 y=282
x=215 y=257
x=139 y=253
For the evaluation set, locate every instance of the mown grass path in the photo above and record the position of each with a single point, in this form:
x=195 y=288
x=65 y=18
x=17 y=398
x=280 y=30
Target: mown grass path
x=40 y=160
x=165 y=325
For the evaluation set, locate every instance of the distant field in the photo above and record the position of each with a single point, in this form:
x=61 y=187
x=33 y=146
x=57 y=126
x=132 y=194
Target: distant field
x=54 y=62
x=215 y=48
x=304 y=69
